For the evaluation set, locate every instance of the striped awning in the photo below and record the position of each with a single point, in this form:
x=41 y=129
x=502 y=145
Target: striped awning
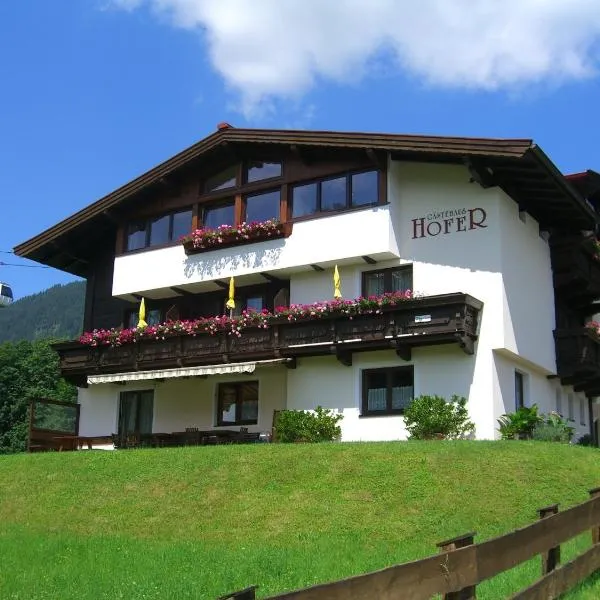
x=224 y=369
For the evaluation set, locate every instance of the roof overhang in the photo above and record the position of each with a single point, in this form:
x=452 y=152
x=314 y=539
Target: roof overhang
x=517 y=165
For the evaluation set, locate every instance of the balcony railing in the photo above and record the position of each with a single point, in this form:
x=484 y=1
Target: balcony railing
x=576 y=268
x=578 y=358
x=431 y=320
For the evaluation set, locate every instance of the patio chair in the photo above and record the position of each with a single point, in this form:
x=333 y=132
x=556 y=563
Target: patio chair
x=192 y=436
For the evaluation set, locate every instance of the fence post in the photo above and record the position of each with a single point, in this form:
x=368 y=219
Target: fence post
x=551 y=558
x=461 y=541
x=595 y=530
x=247 y=594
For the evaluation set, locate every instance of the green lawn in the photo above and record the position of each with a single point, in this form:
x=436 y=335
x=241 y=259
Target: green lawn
x=199 y=522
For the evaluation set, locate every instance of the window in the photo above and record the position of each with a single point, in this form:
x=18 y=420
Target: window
x=338 y=193
x=136 y=412
x=558 y=396
x=394 y=279
x=262 y=207
x=581 y=411
x=237 y=403
x=153 y=317
x=219 y=214
x=387 y=391
x=257 y=170
x=570 y=408
x=364 y=188
x=182 y=224
x=159 y=230
x=305 y=200
x=136 y=236
x=224 y=179
x=254 y=302
x=519 y=389
x=333 y=194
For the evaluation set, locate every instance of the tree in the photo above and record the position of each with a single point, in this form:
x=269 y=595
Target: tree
x=27 y=370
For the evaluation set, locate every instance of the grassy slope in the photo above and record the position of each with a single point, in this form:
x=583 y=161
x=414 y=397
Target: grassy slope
x=198 y=522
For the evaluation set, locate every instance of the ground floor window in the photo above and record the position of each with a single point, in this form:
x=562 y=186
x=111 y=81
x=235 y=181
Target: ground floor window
x=519 y=390
x=387 y=391
x=237 y=403
x=136 y=411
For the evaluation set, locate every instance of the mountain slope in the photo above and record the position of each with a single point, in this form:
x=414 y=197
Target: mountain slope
x=55 y=313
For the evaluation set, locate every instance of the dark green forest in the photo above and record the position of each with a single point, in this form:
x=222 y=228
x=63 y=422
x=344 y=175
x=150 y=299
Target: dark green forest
x=55 y=313
x=27 y=370
x=28 y=365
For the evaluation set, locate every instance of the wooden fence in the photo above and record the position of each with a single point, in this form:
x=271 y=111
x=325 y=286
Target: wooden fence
x=461 y=564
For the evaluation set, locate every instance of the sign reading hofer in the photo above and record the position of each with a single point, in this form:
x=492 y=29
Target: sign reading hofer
x=449 y=221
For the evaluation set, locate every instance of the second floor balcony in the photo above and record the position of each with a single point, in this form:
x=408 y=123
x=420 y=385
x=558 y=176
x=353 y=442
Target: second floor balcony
x=578 y=358
x=576 y=267
x=424 y=321
x=342 y=238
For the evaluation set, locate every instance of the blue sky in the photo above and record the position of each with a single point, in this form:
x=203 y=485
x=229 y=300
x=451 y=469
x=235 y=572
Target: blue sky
x=95 y=92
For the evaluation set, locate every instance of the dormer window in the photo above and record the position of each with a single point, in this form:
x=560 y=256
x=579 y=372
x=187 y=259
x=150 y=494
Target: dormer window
x=222 y=213
x=159 y=230
x=227 y=178
x=258 y=170
x=336 y=193
x=262 y=207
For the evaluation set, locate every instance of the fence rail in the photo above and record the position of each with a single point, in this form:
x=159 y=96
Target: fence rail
x=461 y=564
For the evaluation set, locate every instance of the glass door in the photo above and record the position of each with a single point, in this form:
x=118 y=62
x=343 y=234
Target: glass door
x=136 y=411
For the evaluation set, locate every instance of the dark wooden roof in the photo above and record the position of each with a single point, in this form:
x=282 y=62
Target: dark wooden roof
x=517 y=165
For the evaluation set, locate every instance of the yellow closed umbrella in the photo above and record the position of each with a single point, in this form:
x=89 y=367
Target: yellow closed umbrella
x=337 y=284
x=231 y=300
x=142 y=315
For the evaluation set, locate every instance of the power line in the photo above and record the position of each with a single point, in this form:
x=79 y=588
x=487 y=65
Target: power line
x=3 y=264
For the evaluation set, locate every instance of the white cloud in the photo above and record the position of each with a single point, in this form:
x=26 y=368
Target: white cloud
x=271 y=49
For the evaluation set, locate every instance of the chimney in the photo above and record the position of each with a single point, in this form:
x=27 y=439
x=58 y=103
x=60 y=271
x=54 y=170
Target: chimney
x=223 y=125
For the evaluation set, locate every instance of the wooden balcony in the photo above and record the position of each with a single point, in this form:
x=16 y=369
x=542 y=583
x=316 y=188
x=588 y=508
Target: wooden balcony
x=431 y=320
x=576 y=269
x=578 y=359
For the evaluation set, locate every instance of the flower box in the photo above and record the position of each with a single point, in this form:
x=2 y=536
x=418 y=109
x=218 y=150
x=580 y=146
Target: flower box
x=227 y=236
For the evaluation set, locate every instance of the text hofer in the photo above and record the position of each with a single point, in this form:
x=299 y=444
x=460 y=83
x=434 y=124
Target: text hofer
x=442 y=223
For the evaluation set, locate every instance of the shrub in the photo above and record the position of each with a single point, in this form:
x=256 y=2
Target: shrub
x=585 y=440
x=553 y=429
x=431 y=417
x=519 y=424
x=306 y=426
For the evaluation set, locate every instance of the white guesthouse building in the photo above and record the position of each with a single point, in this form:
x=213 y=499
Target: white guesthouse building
x=491 y=238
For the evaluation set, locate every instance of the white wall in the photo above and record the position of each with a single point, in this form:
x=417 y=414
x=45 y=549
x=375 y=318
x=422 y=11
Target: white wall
x=538 y=389
x=339 y=238
x=442 y=370
x=181 y=403
x=528 y=294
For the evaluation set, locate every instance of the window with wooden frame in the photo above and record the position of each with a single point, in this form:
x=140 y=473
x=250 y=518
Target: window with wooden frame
x=342 y=192
x=237 y=403
x=158 y=230
x=382 y=281
x=387 y=391
x=219 y=213
x=154 y=316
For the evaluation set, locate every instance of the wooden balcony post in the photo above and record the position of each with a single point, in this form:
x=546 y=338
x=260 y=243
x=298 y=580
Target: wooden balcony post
x=551 y=558
x=469 y=592
x=595 y=493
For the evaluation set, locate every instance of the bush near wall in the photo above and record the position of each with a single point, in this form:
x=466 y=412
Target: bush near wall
x=308 y=426
x=434 y=417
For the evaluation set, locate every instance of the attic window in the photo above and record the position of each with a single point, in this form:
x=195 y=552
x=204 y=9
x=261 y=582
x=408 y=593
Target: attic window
x=226 y=178
x=257 y=170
